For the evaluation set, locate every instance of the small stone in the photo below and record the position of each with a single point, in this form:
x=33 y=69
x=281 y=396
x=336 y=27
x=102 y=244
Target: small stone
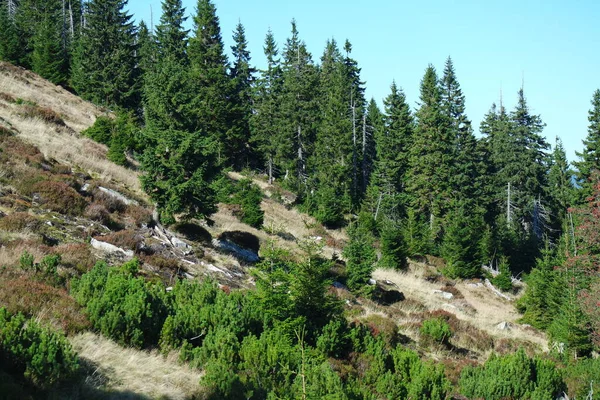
x=446 y=295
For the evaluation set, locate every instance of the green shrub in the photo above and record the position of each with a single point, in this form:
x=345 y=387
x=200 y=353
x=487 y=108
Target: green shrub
x=436 y=330
x=44 y=357
x=121 y=306
x=334 y=340
x=513 y=376
x=249 y=197
x=503 y=280
x=101 y=131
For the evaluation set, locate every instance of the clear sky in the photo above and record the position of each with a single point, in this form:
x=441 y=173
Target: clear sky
x=553 y=46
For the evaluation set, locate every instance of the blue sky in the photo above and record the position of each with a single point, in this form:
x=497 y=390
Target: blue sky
x=550 y=45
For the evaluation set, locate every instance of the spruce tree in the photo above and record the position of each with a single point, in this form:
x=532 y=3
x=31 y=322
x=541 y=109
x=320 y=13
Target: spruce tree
x=212 y=85
x=465 y=169
x=392 y=144
x=459 y=245
x=146 y=50
x=330 y=165
x=589 y=158
x=170 y=34
x=561 y=191
x=430 y=156
x=527 y=165
x=168 y=88
x=48 y=58
x=360 y=257
x=267 y=138
x=393 y=247
x=242 y=76
x=299 y=109
x=105 y=66
x=11 y=44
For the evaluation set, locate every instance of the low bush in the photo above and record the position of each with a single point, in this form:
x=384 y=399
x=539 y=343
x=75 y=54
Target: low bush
x=513 y=376
x=7 y=97
x=125 y=239
x=97 y=212
x=41 y=355
x=44 y=113
x=111 y=203
x=121 y=305
x=76 y=255
x=141 y=216
x=18 y=222
x=101 y=130
x=436 y=330
x=59 y=197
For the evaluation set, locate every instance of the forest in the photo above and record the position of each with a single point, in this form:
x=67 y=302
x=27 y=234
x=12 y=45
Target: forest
x=405 y=183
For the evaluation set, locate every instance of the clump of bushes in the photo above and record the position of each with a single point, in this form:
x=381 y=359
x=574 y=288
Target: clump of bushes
x=60 y=197
x=513 y=376
x=140 y=215
x=121 y=305
x=243 y=193
x=40 y=355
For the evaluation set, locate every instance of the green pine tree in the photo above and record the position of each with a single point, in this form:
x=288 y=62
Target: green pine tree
x=430 y=155
x=561 y=191
x=212 y=85
x=459 y=245
x=105 y=67
x=170 y=35
x=267 y=138
x=393 y=247
x=360 y=257
x=242 y=76
x=48 y=58
x=12 y=48
x=589 y=158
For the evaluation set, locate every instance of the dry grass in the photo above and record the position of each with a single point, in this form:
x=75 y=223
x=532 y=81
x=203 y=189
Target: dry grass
x=141 y=372
x=480 y=307
x=61 y=143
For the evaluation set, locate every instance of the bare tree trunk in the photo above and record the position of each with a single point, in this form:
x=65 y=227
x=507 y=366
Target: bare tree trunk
x=270 y=167
x=364 y=153
x=354 y=153
x=508 y=216
x=301 y=168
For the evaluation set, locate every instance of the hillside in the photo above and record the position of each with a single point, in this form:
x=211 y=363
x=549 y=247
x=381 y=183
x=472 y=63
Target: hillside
x=60 y=195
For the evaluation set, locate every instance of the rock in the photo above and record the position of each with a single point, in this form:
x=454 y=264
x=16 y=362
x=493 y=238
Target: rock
x=339 y=285
x=475 y=285
x=504 y=326
x=237 y=251
x=117 y=196
x=180 y=244
x=110 y=248
x=85 y=187
x=372 y=282
x=49 y=223
x=446 y=295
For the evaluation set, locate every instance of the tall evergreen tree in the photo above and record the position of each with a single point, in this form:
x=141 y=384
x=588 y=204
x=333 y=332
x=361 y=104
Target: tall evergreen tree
x=298 y=107
x=146 y=43
x=392 y=145
x=170 y=34
x=330 y=165
x=242 y=75
x=267 y=138
x=430 y=162
x=561 y=191
x=105 y=67
x=168 y=89
x=49 y=56
x=209 y=75
x=589 y=158
x=372 y=123
x=465 y=169
x=11 y=43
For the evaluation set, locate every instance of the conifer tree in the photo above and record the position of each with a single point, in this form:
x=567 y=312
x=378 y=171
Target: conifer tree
x=298 y=108
x=527 y=165
x=589 y=158
x=330 y=165
x=105 y=66
x=459 y=245
x=465 y=171
x=392 y=144
x=168 y=88
x=360 y=256
x=170 y=34
x=561 y=192
x=393 y=247
x=211 y=82
x=430 y=156
x=146 y=50
x=266 y=119
x=48 y=58
x=242 y=76
x=12 y=48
